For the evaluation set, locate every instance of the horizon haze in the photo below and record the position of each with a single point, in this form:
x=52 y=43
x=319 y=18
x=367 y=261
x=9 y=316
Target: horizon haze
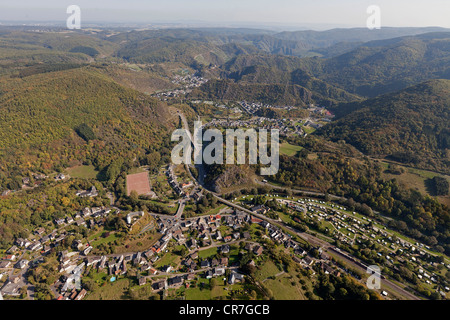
x=268 y=14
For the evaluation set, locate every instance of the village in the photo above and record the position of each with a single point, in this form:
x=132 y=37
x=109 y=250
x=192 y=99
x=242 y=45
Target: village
x=285 y=126
x=184 y=84
x=226 y=236
x=253 y=107
x=186 y=247
x=74 y=261
x=177 y=258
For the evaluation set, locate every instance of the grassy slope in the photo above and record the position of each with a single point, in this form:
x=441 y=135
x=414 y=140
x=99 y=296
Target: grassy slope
x=289 y=149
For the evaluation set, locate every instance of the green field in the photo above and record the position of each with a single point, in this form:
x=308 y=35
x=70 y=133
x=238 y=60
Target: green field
x=82 y=172
x=95 y=236
x=214 y=211
x=285 y=288
x=203 y=254
x=234 y=255
x=171 y=206
x=101 y=277
x=285 y=217
x=415 y=179
x=133 y=66
x=168 y=259
x=136 y=170
x=111 y=291
x=111 y=238
x=308 y=129
x=206 y=293
x=268 y=269
x=289 y=149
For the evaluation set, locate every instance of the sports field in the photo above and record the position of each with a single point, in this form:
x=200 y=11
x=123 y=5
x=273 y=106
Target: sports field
x=138 y=182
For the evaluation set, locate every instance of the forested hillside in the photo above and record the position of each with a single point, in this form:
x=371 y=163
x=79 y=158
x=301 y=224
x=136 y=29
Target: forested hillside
x=275 y=94
x=284 y=71
x=385 y=66
x=41 y=115
x=410 y=126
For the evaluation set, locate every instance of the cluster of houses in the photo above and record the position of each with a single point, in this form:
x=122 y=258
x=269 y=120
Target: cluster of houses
x=87 y=217
x=252 y=107
x=173 y=182
x=214 y=267
x=276 y=234
x=320 y=112
x=300 y=255
x=173 y=282
x=169 y=228
x=69 y=284
x=171 y=94
x=186 y=84
x=208 y=228
x=117 y=265
x=43 y=242
x=181 y=190
x=189 y=81
x=73 y=295
x=12 y=286
x=284 y=126
x=68 y=262
x=9 y=261
x=72 y=264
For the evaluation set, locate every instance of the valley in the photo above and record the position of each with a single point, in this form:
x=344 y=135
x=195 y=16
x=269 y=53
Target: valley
x=92 y=206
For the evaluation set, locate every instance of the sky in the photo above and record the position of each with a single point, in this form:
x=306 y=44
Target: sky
x=298 y=13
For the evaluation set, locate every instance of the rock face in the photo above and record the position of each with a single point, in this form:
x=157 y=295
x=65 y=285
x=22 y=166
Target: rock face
x=232 y=176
